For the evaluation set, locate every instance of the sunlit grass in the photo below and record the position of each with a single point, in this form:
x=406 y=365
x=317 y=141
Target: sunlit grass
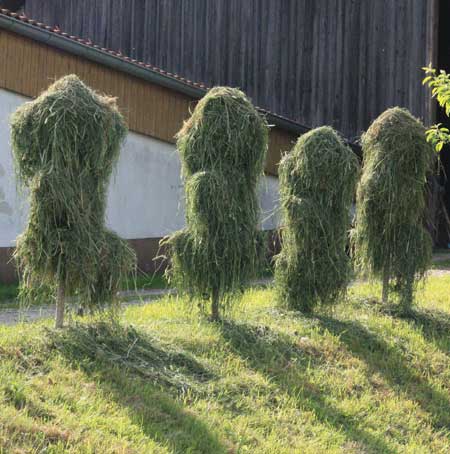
x=360 y=379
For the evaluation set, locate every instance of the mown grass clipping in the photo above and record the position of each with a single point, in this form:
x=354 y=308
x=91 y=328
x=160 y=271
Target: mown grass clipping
x=390 y=240
x=317 y=184
x=222 y=149
x=66 y=144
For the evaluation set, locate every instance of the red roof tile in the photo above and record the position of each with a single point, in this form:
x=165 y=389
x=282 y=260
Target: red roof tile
x=89 y=43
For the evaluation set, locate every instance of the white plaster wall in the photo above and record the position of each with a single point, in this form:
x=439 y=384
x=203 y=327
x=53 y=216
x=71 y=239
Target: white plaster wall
x=145 y=198
x=13 y=206
x=269 y=202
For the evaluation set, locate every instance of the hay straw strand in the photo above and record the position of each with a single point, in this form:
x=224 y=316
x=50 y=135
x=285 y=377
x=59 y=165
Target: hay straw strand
x=317 y=184
x=66 y=144
x=222 y=148
x=390 y=240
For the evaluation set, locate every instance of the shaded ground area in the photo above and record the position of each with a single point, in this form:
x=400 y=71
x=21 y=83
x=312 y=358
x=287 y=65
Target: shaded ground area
x=362 y=379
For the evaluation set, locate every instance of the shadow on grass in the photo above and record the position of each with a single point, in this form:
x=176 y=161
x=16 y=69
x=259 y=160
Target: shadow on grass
x=435 y=325
x=390 y=361
x=144 y=376
x=273 y=355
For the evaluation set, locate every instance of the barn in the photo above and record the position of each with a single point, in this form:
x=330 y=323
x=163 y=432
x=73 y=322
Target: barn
x=334 y=62
x=304 y=62
x=145 y=200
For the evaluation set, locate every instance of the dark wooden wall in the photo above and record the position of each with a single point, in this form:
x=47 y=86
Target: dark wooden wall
x=337 y=62
x=12 y=5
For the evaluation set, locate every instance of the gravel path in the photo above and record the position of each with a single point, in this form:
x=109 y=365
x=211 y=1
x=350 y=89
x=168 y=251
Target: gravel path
x=31 y=314
x=441 y=257
x=440 y=272
x=133 y=298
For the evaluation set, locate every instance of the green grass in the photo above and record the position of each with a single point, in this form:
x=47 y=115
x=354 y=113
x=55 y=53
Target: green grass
x=441 y=264
x=143 y=281
x=359 y=380
x=146 y=282
x=8 y=292
x=442 y=251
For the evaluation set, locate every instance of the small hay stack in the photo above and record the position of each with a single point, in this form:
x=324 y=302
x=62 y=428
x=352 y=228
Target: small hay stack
x=390 y=240
x=65 y=145
x=222 y=148
x=317 y=184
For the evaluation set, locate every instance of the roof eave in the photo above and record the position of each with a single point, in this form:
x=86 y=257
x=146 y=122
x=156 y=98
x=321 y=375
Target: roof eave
x=136 y=69
x=96 y=55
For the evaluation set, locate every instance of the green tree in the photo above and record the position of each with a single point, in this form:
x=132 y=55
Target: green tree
x=222 y=149
x=390 y=240
x=317 y=184
x=65 y=145
x=439 y=83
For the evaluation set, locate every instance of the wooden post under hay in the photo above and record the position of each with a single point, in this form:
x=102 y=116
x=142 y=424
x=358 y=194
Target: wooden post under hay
x=390 y=240
x=222 y=148
x=317 y=183
x=60 y=303
x=385 y=288
x=65 y=145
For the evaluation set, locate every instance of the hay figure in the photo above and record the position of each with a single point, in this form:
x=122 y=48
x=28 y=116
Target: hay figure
x=222 y=148
x=317 y=183
x=65 y=145
x=390 y=241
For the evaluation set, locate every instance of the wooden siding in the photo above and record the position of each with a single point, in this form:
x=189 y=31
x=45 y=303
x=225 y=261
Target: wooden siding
x=336 y=62
x=149 y=108
x=280 y=142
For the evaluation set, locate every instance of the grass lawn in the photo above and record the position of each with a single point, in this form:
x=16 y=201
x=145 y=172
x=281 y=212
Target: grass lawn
x=8 y=293
x=442 y=264
x=360 y=380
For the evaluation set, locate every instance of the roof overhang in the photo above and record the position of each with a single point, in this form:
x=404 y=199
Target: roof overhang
x=47 y=35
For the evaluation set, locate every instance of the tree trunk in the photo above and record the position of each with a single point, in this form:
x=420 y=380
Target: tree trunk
x=215 y=306
x=385 y=292
x=59 y=319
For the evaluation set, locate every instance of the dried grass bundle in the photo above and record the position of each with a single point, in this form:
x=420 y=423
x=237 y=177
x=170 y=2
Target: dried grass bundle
x=65 y=145
x=390 y=240
x=222 y=147
x=317 y=184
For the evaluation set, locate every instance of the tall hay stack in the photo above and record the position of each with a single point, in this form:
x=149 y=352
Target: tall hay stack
x=65 y=145
x=390 y=240
x=222 y=149
x=317 y=183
